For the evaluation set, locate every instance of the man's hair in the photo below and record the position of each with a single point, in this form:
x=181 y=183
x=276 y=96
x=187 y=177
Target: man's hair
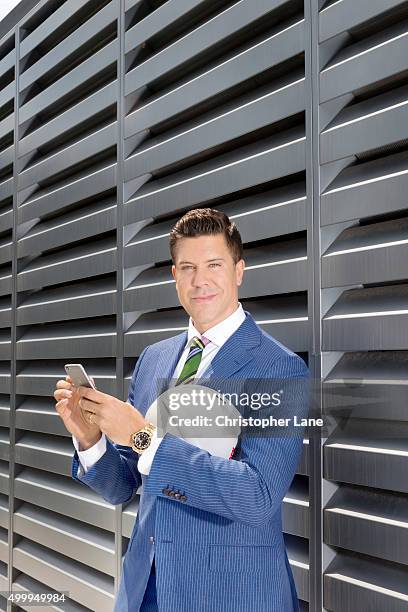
x=205 y=222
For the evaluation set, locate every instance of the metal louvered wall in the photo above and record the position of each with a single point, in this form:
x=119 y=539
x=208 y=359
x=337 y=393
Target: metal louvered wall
x=292 y=117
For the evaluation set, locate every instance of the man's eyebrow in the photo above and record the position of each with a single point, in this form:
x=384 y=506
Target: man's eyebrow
x=207 y=261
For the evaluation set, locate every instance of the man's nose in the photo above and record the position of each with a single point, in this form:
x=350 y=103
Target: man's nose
x=200 y=278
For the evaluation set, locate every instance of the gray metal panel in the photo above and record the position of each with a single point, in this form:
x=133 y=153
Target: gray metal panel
x=70 y=44
x=255 y=164
x=347 y=14
x=376 y=59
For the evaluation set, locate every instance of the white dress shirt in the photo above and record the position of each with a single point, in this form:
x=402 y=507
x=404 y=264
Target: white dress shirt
x=217 y=335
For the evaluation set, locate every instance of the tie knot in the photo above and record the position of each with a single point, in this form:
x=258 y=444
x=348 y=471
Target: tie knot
x=200 y=341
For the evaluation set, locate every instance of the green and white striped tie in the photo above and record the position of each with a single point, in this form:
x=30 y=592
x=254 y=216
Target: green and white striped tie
x=193 y=360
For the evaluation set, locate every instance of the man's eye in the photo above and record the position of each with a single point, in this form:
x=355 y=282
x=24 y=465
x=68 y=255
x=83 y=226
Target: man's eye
x=215 y=265
x=186 y=267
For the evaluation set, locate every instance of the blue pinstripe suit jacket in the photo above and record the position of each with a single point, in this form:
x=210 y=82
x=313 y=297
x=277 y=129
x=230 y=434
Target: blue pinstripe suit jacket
x=221 y=549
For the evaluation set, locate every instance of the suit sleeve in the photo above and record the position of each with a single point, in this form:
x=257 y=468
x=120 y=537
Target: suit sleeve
x=249 y=490
x=115 y=475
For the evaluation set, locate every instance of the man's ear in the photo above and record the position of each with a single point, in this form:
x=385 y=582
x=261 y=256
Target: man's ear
x=239 y=267
x=173 y=271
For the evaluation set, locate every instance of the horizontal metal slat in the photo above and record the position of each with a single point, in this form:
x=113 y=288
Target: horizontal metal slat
x=360 y=584
x=270 y=52
x=295 y=509
x=200 y=40
x=74 y=339
x=64 y=496
x=51 y=24
x=71 y=81
x=227 y=124
x=374 y=187
x=371 y=523
x=368 y=319
x=38 y=414
x=101 y=140
x=4 y=512
x=84 y=543
x=347 y=14
x=6 y=189
x=85 y=585
x=4 y=444
x=91 y=298
x=93 y=220
x=7 y=61
x=41 y=452
x=69 y=45
x=372 y=60
x=4 y=478
x=80 y=112
x=87 y=260
x=26 y=584
x=4 y=552
x=6 y=218
x=6 y=157
x=370 y=463
x=6 y=125
x=158 y=20
x=5 y=249
x=297 y=552
x=4 y=382
x=7 y=93
x=250 y=166
x=377 y=123
x=85 y=185
x=368 y=385
x=4 y=412
x=367 y=254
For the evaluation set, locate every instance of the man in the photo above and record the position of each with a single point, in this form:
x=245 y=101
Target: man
x=208 y=533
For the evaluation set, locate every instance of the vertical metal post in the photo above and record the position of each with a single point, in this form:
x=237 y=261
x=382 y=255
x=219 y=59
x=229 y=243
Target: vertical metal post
x=314 y=298
x=120 y=256
x=13 y=334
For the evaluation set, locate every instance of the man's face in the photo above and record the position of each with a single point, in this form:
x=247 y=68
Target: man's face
x=207 y=279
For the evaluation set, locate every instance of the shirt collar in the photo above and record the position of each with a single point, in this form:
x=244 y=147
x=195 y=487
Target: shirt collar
x=220 y=333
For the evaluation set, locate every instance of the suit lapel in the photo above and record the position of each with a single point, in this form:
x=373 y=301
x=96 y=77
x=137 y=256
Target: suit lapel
x=236 y=351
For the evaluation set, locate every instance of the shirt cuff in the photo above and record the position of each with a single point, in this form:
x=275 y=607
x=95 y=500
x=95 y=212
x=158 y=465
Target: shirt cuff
x=89 y=457
x=146 y=458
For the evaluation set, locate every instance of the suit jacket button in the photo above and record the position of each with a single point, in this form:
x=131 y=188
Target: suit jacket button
x=177 y=496
x=183 y=498
x=171 y=493
x=165 y=491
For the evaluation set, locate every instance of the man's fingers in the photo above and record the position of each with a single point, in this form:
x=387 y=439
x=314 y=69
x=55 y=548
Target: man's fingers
x=62 y=409
x=63 y=384
x=62 y=393
x=91 y=394
x=89 y=405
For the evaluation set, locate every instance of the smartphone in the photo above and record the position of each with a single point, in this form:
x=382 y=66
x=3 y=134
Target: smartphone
x=78 y=375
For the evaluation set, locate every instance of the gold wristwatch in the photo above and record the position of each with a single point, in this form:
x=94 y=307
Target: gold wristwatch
x=141 y=440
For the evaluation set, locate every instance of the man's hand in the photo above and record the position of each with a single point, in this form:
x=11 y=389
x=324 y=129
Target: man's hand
x=117 y=419
x=67 y=396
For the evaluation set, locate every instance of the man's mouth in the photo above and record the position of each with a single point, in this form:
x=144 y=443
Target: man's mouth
x=204 y=298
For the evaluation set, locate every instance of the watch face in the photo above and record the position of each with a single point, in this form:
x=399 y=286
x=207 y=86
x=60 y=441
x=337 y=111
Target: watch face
x=142 y=440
